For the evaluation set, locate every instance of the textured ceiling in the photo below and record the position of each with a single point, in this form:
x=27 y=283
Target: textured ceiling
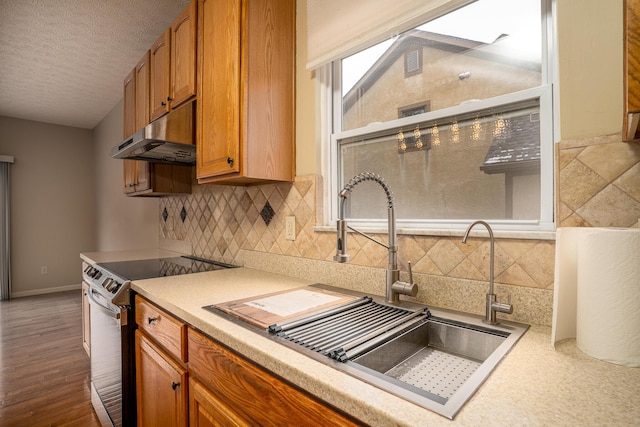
x=64 y=61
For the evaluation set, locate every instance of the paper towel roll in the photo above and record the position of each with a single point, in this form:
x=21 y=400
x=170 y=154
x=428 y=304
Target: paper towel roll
x=608 y=294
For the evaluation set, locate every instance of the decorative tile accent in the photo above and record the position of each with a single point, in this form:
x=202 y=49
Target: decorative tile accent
x=183 y=214
x=267 y=213
x=165 y=214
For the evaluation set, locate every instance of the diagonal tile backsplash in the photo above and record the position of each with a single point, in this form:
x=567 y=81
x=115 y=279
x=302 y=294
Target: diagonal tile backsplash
x=597 y=181
x=222 y=220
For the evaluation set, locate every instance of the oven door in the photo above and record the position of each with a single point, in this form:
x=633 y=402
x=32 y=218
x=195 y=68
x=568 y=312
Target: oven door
x=106 y=359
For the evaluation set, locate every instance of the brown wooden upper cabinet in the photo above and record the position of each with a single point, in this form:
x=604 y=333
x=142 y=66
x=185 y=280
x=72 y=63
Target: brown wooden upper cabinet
x=631 y=119
x=144 y=178
x=173 y=64
x=246 y=109
x=183 y=56
x=136 y=116
x=160 y=69
x=142 y=76
x=129 y=119
x=135 y=176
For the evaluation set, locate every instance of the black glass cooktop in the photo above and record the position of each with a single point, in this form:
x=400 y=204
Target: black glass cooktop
x=159 y=267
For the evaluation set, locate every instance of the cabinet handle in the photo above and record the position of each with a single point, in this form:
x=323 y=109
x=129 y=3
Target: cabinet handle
x=151 y=320
x=229 y=161
x=164 y=104
x=174 y=385
x=169 y=98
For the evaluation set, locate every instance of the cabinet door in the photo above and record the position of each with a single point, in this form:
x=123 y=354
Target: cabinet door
x=129 y=125
x=143 y=176
x=269 y=115
x=207 y=410
x=160 y=56
x=137 y=176
x=161 y=386
x=218 y=135
x=252 y=392
x=183 y=56
x=86 y=319
x=130 y=170
x=143 y=75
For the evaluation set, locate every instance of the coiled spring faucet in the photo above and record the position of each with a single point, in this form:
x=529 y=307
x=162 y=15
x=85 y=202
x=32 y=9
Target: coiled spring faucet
x=394 y=287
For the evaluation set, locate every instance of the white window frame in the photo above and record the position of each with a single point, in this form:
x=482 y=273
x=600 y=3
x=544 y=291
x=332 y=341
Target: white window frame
x=330 y=116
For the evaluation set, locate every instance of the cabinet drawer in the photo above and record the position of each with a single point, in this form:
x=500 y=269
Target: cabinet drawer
x=252 y=392
x=165 y=329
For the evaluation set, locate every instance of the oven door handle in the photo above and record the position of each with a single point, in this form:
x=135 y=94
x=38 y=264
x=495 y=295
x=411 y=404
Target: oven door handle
x=104 y=310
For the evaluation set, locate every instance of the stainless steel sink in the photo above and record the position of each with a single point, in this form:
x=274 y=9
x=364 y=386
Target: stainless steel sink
x=456 y=345
x=438 y=364
x=432 y=357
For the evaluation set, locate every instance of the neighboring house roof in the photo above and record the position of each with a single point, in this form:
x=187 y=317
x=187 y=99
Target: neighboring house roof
x=517 y=149
x=413 y=39
x=417 y=38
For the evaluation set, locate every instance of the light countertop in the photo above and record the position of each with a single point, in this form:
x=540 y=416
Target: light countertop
x=533 y=385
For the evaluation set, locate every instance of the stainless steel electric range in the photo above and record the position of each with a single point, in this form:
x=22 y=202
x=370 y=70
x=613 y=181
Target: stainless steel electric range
x=113 y=326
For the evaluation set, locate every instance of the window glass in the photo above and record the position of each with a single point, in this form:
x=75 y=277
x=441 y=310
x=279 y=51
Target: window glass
x=456 y=115
x=488 y=48
x=485 y=165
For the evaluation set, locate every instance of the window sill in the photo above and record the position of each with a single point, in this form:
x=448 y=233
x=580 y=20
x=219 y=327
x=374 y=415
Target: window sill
x=498 y=234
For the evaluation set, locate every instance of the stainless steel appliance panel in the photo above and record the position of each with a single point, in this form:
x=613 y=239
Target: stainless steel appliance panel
x=106 y=355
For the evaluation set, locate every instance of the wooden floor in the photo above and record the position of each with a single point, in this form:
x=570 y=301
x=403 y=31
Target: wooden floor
x=44 y=371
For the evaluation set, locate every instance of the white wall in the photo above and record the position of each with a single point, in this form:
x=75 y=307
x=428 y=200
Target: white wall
x=590 y=38
x=121 y=222
x=52 y=208
x=66 y=199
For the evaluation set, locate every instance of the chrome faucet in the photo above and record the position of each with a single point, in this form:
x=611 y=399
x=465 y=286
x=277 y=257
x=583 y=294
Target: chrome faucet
x=492 y=305
x=394 y=287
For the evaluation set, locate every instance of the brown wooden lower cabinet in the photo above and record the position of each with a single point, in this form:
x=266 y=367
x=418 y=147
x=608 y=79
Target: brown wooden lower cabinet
x=201 y=383
x=205 y=409
x=230 y=390
x=161 y=386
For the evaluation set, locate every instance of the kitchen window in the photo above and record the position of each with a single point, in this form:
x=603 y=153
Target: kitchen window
x=468 y=137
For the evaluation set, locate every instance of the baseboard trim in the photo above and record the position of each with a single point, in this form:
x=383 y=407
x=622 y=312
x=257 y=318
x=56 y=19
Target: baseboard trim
x=45 y=291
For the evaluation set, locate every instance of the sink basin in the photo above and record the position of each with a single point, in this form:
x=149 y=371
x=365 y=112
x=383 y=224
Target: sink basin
x=432 y=357
x=455 y=345
x=438 y=364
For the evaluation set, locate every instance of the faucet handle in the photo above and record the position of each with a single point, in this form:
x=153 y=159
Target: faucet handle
x=406 y=288
x=502 y=307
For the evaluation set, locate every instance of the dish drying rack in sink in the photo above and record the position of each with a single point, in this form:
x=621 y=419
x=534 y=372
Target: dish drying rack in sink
x=349 y=330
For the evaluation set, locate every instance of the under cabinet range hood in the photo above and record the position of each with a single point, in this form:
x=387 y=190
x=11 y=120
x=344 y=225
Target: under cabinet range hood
x=169 y=139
